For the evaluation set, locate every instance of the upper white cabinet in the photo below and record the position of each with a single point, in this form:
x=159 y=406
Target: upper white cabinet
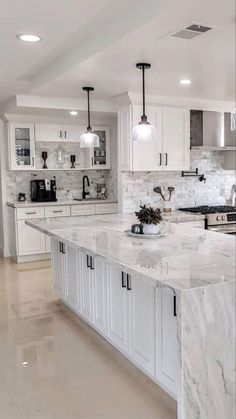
x=23 y=139
x=21 y=146
x=175 y=139
x=57 y=133
x=148 y=155
x=171 y=151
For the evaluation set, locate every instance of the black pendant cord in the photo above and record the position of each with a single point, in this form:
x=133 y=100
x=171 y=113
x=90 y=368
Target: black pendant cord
x=144 y=104
x=89 y=126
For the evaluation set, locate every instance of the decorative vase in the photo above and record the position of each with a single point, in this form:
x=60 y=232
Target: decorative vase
x=72 y=159
x=151 y=229
x=44 y=157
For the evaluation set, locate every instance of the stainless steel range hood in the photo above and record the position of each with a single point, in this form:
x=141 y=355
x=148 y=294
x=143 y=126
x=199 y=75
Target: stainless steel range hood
x=211 y=131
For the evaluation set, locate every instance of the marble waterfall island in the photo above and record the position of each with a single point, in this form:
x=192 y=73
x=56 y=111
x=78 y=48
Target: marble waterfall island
x=168 y=305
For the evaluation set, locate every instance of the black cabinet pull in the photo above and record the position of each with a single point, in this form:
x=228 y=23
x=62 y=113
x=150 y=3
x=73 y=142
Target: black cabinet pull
x=60 y=247
x=129 y=282
x=123 y=280
x=63 y=249
x=65 y=134
x=160 y=162
x=175 y=306
x=88 y=259
x=166 y=159
x=91 y=263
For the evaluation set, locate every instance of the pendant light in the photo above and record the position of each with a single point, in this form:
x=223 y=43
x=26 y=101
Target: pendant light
x=144 y=131
x=89 y=139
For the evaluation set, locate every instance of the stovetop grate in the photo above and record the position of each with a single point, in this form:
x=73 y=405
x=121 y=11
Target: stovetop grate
x=205 y=209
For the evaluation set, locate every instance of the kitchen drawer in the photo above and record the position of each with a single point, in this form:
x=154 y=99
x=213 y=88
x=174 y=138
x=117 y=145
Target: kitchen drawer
x=86 y=209
x=31 y=212
x=106 y=208
x=57 y=211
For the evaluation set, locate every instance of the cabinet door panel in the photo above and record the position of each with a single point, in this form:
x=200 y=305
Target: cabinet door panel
x=176 y=139
x=72 y=133
x=86 y=286
x=118 y=309
x=58 y=266
x=48 y=132
x=167 y=361
x=142 y=323
x=72 y=277
x=100 y=295
x=30 y=241
x=147 y=155
x=21 y=146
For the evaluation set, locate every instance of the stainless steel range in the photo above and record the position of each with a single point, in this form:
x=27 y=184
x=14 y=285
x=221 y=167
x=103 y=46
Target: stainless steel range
x=221 y=219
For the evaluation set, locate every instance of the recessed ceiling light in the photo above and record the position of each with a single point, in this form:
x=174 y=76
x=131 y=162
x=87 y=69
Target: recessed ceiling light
x=185 y=81
x=73 y=113
x=28 y=37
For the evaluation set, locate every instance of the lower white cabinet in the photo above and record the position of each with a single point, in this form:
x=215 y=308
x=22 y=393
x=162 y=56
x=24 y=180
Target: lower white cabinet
x=166 y=339
x=118 y=308
x=58 y=267
x=136 y=317
x=100 y=294
x=131 y=317
x=30 y=241
x=142 y=321
x=72 y=276
x=86 y=285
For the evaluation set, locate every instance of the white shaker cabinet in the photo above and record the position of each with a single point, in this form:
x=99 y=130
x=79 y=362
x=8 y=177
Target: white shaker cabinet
x=175 y=139
x=30 y=241
x=86 y=285
x=118 y=327
x=58 y=267
x=100 y=294
x=72 y=277
x=170 y=151
x=166 y=339
x=21 y=146
x=147 y=156
x=57 y=133
x=142 y=316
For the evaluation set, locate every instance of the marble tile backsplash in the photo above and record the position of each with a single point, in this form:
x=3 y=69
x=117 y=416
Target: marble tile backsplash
x=69 y=184
x=138 y=186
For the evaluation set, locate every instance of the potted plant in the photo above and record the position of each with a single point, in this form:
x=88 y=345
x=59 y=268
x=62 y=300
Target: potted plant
x=150 y=219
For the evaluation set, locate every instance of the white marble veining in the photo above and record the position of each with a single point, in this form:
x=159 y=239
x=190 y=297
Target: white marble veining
x=185 y=258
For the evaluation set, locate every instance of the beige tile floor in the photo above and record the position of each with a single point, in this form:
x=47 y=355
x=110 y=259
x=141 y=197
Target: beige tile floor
x=53 y=366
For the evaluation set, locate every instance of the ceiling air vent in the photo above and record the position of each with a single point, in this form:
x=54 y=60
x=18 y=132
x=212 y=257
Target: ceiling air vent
x=191 y=31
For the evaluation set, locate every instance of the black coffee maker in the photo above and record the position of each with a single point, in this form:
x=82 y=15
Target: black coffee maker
x=43 y=190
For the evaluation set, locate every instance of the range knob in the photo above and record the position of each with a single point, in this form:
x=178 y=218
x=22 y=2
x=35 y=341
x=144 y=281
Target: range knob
x=218 y=218
x=223 y=218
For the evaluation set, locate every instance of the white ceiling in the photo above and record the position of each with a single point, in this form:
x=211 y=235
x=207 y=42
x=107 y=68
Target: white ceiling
x=103 y=52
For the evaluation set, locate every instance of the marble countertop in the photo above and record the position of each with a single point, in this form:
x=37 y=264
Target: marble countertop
x=27 y=204
x=185 y=258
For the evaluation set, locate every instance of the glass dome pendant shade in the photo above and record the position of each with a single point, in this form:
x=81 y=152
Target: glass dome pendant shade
x=144 y=131
x=89 y=139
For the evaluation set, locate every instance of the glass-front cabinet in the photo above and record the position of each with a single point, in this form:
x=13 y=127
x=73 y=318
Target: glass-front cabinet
x=21 y=146
x=101 y=155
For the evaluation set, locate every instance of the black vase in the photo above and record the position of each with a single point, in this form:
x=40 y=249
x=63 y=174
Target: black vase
x=44 y=157
x=72 y=159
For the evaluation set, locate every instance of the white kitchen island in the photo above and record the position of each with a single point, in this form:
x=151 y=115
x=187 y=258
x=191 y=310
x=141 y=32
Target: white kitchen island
x=167 y=304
